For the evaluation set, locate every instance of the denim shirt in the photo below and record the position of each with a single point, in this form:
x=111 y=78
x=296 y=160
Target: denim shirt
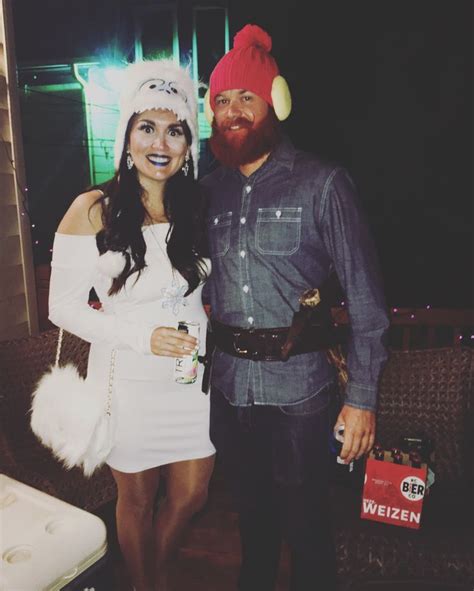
x=273 y=235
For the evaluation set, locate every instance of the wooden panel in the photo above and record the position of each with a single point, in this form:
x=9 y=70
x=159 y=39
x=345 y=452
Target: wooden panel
x=13 y=312
x=3 y=65
x=3 y=92
x=10 y=251
x=18 y=313
x=8 y=221
x=5 y=130
x=6 y=158
x=12 y=283
x=7 y=188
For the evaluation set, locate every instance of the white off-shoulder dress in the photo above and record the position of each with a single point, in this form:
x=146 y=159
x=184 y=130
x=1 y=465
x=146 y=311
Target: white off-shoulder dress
x=157 y=421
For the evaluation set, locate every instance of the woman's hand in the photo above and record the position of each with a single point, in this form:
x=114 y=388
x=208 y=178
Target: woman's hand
x=170 y=342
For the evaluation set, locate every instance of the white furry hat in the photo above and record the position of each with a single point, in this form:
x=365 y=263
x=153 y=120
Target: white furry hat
x=158 y=84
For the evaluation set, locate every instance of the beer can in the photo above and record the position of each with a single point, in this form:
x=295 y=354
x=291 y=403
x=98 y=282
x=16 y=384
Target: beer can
x=186 y=368
x=337 y=441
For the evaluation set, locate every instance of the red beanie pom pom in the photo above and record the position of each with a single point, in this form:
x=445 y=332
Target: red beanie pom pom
x=252 y=35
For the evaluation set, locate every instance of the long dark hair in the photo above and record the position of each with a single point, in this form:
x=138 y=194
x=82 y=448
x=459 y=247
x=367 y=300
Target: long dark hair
x=123 y=215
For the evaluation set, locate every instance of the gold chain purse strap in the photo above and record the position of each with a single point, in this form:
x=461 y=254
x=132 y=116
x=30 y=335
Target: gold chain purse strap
x=108 y=404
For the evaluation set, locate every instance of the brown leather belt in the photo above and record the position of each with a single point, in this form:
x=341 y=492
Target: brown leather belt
x=265 y=344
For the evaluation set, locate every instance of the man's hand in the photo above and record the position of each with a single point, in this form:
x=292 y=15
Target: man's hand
x=359 y=432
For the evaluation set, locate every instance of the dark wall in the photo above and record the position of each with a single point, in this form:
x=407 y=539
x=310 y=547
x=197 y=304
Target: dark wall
x=381 y=87
x=56 y=160
x=385 y=89
x=58 y=31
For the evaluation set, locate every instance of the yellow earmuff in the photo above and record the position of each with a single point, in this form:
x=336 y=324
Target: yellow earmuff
x=281 y=98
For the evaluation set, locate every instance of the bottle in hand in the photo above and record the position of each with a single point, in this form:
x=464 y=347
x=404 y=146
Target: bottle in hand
x=336 y=447
x=186 y=368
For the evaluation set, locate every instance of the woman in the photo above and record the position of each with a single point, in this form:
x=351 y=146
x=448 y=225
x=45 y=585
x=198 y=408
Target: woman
x=139 y=242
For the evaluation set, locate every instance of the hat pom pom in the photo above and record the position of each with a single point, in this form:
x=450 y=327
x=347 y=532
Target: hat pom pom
x=252 y=35
x=111 y=263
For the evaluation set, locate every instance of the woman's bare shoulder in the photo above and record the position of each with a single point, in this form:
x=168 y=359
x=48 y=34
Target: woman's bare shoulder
x=84 y=216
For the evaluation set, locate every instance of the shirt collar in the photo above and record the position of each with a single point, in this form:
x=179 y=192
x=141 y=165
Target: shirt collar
x=284 y=154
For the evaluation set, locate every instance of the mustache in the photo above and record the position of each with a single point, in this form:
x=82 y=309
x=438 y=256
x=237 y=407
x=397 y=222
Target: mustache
x=234 y=150
x=240 y=121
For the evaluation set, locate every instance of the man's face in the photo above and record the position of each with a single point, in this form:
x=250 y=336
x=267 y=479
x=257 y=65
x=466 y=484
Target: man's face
x=244 y=129
x=237 y=111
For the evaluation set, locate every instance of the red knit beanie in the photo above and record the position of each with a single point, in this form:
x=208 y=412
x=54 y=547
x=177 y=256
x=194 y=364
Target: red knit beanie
x=247 y=66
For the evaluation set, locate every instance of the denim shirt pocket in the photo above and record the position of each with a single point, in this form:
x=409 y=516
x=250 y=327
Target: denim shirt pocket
x=278 y=230
x=219 y=233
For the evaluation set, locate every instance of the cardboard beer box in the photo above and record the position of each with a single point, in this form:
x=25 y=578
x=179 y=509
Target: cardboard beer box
x=394 y=488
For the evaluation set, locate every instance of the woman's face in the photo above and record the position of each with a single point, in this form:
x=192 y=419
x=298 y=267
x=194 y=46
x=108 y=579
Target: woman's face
x=157 y=145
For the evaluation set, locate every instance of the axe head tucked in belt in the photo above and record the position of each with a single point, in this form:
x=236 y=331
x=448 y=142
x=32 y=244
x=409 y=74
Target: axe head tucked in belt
x=312 y=311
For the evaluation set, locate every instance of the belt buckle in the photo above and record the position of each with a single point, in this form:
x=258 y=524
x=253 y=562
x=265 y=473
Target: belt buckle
x=238 y=348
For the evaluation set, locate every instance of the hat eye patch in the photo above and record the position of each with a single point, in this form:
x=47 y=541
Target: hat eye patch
x=160 y=85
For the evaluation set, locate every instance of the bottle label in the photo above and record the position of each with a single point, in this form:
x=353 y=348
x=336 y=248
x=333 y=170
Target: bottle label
x=186 y=368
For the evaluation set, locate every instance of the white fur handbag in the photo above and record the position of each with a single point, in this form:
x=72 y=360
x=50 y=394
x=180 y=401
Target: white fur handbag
x=71 y=417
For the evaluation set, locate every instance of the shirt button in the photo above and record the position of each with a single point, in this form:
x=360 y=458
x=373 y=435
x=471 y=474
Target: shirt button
x=242 y=254
x=248 y=188
x=245 y=288
x=216 y=220
x=278 y=214
x=242 y=220
x=250 y=319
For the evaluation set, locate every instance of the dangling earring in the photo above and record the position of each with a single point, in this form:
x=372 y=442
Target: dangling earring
x=129 y=161
x=185 y=167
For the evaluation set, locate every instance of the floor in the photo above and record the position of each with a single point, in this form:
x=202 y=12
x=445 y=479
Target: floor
x=209 y=554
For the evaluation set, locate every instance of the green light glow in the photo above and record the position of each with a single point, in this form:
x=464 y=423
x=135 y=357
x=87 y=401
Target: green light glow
x=99 y=84
x=221 y=40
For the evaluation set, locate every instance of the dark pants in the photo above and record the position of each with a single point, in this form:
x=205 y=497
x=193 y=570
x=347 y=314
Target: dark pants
x=277 y=460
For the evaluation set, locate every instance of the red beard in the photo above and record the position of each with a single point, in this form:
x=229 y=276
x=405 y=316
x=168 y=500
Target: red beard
x=236 y=149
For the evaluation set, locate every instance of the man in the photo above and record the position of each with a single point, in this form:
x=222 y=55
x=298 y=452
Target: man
x=280 y=221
